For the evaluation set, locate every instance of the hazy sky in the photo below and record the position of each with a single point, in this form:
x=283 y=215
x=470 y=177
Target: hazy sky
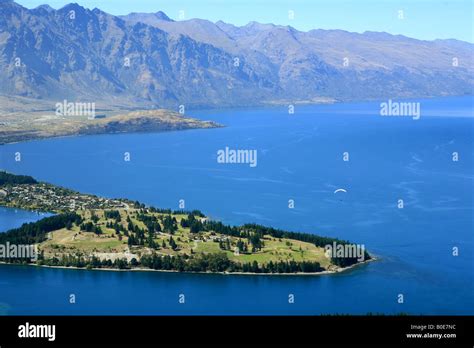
x=422 y=19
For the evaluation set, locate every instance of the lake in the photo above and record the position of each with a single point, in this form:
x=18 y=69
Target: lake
x=300 y=158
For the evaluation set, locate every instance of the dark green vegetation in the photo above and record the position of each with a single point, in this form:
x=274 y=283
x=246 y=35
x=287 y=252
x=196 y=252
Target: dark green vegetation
x=35 y=232
x=11 y=179
x=253 y=235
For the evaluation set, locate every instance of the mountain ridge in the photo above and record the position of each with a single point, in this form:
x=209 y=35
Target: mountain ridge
x=199 y=63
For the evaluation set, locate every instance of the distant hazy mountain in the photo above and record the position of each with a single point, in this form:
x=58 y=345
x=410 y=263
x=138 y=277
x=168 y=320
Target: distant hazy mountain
x=149 y=59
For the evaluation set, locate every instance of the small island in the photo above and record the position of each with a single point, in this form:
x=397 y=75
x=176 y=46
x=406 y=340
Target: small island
x=93 y=232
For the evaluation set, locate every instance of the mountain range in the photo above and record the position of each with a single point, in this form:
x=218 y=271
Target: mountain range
x=150 y=60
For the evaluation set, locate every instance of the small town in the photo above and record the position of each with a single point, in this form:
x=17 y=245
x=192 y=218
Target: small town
x=46 y=197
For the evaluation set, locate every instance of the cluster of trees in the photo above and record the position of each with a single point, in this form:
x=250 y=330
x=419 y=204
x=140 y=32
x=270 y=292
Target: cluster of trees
x=242 y=246
x=219 y=227
x=283 y=267
x=173 y=244
x=82 y=262
x=197 y=263
x=35 y=232
x=117 y=227
x=195 y=225
x=137 y=238
x=90 y=227
x=136 y=234
x=304 y=237
x=254 y=234
x=167 y=262
x=113 y=214
x=170 y=225
x=218 y=262
x=145 y=210
x=150 y=221
x=256 y=241
x=225 y=245
x=95 y=219
x=195 y=212
x=346 y=261
x=12 y=179
x=255 y=238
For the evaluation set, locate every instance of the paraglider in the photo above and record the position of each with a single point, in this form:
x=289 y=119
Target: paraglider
x=340 y=190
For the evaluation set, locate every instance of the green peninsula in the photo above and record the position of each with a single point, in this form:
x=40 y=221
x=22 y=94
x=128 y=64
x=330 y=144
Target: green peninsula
x=87 y=231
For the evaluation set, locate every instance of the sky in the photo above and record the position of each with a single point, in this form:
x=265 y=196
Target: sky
x=421 y=19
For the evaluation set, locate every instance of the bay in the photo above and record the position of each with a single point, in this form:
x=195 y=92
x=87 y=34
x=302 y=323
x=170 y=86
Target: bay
x=300 y=158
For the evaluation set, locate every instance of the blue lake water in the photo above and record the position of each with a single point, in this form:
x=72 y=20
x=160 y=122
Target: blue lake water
x=300 y=157
x=11 y=218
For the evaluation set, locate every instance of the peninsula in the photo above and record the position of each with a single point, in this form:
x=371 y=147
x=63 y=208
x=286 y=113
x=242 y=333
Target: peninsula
x=33 y=125
x=87 y=231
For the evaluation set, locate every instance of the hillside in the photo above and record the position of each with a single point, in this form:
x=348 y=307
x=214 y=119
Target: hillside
x=144 y=60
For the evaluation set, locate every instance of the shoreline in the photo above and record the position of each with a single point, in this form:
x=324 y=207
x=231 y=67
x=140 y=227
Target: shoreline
x=138 y=121
x=138 y=269
x=141 y=269
x=240 y=268
x=213 y=124
x=77 y=135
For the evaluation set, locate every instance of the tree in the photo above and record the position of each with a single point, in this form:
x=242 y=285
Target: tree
x=97 y=230
x=173 y=244
x=256 y=242
x=196 y=226
x=151 y=242
x=94 y=217
x=241 y=246
x=169 y=224
x=255 y=268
